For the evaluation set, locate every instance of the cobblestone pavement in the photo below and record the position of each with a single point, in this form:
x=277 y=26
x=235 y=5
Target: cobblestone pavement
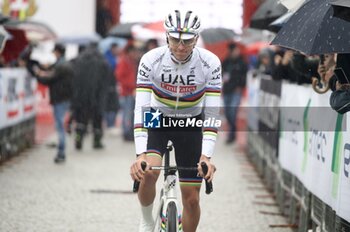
x=92 y=192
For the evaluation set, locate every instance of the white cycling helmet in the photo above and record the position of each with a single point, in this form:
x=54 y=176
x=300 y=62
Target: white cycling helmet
x=182 y=25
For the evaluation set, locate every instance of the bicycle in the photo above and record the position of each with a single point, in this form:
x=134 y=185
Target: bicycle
x=168 y=217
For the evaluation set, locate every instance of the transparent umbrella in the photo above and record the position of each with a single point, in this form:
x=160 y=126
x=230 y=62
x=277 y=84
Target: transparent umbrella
x=81 y=39
x=292 y=4
x=122 y=30
x=34 y=31
x=217 y=34
x=106 y=43
x=269 y=11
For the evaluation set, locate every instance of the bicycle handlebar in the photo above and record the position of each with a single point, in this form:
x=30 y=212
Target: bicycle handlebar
x=136 y=186
x=208 y=185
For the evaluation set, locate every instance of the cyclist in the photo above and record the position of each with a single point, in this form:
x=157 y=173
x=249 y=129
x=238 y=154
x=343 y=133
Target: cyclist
x=181 y=82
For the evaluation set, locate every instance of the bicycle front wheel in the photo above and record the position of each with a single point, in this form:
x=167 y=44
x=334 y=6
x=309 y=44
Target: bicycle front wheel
x=171 y=217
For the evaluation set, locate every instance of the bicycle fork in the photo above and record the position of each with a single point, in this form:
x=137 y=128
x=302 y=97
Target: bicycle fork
x=170 y=215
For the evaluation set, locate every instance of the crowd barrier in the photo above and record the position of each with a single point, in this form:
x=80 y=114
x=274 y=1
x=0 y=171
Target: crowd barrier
x=17 y=111
x=301 y=148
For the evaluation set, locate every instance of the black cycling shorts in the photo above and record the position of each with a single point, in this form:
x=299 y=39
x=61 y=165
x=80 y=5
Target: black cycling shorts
x=187 y=142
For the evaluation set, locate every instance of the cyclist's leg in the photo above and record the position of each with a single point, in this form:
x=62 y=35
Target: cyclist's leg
x=147 y=190
x=156 y=146
x=188 y=145
x=147 y=193
x=191 y=209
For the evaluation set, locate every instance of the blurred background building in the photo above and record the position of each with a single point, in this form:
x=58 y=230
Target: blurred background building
x=83 y=21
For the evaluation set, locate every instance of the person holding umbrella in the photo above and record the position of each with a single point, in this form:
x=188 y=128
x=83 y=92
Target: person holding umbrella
x=336 y=70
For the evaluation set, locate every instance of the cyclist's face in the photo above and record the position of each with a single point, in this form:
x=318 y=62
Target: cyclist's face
x=181 y=48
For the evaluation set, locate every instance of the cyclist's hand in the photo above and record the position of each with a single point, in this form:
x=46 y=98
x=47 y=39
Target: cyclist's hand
x=136 y=171
x=211 y=168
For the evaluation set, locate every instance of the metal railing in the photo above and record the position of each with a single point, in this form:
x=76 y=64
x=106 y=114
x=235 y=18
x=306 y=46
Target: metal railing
x=304 y=211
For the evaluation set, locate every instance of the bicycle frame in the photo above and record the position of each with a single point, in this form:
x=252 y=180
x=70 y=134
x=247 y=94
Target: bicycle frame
x=168 y=195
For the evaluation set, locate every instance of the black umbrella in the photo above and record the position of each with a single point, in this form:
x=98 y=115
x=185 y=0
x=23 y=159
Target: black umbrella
x=269 y=11
x=122 y=30
x=217 y=34
x=317 y=28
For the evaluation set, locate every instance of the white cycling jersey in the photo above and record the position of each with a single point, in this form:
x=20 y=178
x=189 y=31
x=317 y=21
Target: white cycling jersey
x=178 y=90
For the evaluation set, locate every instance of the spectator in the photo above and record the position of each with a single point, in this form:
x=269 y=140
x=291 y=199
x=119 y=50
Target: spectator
x=265 y=61
x=59 y=82
x=112 y=54
x=150 y=44
x=234 y=70
x=71 y=117
x=283 y=69
x=88 y=102
x=295 y=67
x=126 y=75
x=112 y=103
x=112 y=99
